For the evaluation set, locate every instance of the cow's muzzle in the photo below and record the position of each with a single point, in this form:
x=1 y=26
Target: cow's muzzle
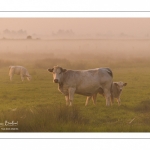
x=56 y=80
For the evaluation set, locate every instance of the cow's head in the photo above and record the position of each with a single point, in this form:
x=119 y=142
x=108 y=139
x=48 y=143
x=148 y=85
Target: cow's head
x=57 y=73
x=29 y=78
x=120 y=85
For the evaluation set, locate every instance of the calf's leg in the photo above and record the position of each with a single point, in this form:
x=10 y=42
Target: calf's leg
x=119 y=101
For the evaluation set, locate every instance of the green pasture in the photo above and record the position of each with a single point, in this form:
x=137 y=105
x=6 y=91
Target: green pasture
x=38 y=106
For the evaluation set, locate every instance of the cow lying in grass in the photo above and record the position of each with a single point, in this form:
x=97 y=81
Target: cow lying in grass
x=19 y=70
x=116 y=90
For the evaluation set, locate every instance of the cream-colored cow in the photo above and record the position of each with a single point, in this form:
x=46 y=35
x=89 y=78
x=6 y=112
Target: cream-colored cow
x=83 y=82
x=19 y=70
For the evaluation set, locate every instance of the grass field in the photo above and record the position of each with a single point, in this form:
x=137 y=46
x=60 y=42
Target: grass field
x=38 y=106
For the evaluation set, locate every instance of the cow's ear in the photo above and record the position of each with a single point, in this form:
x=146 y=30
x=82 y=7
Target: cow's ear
x=64 y=70
x=124 y=84
x=115 y=83
x=50 y=70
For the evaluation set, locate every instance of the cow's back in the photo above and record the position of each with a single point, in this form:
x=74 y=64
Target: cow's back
x=104 y=74
x=87 y=82
x=18 y=70
x=14 y=70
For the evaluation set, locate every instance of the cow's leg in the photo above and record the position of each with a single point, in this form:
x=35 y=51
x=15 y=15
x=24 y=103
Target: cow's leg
x=11 y=76
x=87 y=100
x=107 y=97
x=11 y=73
x=22 y=78
x=112 y=96
x=112 y=99
x=71 y=95
x=67 y=100
x=94 y=98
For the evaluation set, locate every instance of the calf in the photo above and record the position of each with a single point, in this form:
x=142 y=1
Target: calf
x=116 y=90
x=19 y=70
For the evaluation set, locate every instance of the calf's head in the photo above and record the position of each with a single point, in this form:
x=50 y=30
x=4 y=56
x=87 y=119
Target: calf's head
x=57 y=73
x=120 y=85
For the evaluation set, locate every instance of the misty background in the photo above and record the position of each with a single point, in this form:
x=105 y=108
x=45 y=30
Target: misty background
x=63 y=28
x=78 y=43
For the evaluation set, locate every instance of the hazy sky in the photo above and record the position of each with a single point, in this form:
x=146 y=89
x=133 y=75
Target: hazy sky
x=132 y=26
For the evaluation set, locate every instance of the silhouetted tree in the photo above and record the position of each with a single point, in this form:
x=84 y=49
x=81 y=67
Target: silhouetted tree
x=29 y=37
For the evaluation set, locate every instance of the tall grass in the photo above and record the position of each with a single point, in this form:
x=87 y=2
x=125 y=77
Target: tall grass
x=60 y=118
x=50 y=118
x=41 y=107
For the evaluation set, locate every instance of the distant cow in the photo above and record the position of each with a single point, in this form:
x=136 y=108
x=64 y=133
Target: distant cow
x=116 y=90
x=84 y=82
x=19 y=70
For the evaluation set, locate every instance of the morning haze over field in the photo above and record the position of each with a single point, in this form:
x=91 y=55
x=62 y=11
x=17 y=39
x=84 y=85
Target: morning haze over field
x=71 y=38
x=49 y=28
x=128 y=37
x=122 y=44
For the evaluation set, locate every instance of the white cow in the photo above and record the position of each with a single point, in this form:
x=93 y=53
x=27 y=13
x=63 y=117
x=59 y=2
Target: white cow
x=19 y=70
x=116 y=90
x=84 y=82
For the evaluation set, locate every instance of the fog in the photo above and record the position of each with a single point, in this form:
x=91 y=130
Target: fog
x=93 y=53
x=80 y=26
x=74 y=42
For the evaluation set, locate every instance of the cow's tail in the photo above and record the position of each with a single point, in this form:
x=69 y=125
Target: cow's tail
x=111 y=88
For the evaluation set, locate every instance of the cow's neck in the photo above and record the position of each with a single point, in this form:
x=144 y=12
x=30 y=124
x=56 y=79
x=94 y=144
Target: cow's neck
x=60 y=85
x=61 y=80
